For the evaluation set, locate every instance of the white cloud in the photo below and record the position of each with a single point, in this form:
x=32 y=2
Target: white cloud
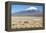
x=31 y=8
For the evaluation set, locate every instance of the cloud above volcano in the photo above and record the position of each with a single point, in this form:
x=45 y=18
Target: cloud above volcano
x=31 y=8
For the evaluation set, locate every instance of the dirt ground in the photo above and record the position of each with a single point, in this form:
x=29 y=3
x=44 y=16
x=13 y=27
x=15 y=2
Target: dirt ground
x=26 y=22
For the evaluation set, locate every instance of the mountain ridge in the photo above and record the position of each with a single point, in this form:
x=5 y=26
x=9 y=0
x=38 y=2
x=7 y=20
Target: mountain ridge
x=28 y=13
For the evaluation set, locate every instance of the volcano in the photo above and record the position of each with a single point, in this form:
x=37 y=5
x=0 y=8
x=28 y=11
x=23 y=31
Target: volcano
x=28 y=13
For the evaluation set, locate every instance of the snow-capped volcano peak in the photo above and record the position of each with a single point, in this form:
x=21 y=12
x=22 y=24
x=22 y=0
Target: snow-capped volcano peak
x=31 y=8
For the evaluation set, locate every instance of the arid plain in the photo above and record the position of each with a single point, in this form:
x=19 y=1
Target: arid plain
x=26 y=22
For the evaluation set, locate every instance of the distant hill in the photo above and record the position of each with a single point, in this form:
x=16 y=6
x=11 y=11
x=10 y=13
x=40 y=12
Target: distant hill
x=28 y=13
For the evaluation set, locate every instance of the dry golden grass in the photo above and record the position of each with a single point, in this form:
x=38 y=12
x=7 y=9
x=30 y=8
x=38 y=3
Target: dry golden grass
x=18 y=22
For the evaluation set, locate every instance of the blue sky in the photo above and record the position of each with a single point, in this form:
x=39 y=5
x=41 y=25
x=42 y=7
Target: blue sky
x=18 y=8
